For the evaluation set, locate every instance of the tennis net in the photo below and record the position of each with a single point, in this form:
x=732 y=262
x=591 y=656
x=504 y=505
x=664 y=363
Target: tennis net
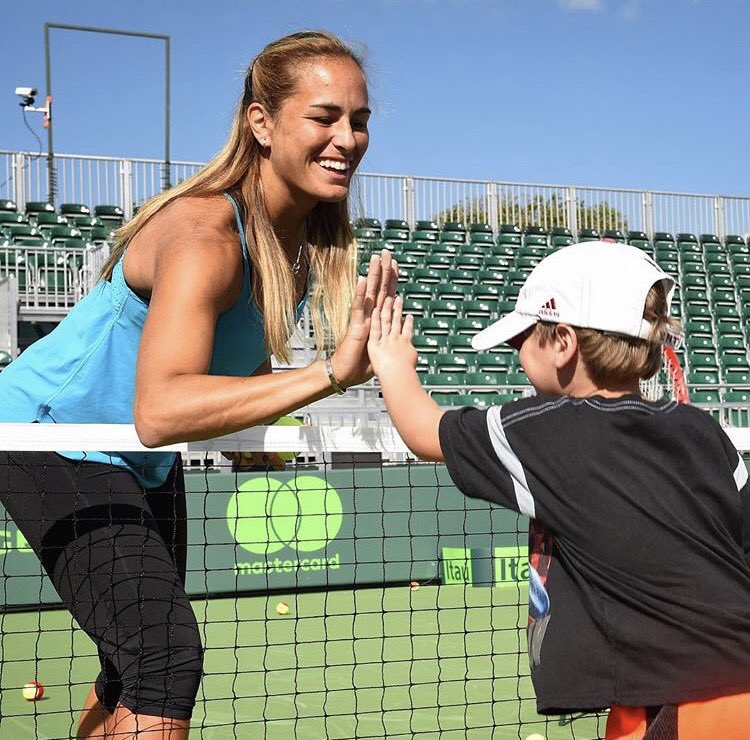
x=353 y=593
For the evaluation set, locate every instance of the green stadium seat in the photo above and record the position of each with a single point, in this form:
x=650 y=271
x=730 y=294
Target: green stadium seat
x=710 y=396
x=738 y=416
x=38 y=206
x=396 y=235
x=735 y=239
x=12 y=218
x=698 y=326
x=696 y=293
x=663 y=253
x=75 y=209
x=469 y=327
x=448 y=292
x=535 y=240
x=417 y=291
x=709 y=239
x=421 y=235
x=516 y=277
x=455 y=364
x=468 y=262
x=703 y=377
x=734 y=360
x=85 y=222
x=396 y=223
x=717 y=268
x=476 y=250
x=461 y=277
x=615 y=235
x=447 y=248
x=736 y=377
x=486 y=292
x=495 y=362
x=740 y=258
x=61 y=233
x=715 y=258
x=455 y=226
x=526 y=264
x=360 y=223
x=702 y=359
x=415 y=307
x=741 y=269
x=433 y=327
x=509 y=234
x=479 y=309
x=452 y=237
x=720 y=280
x=518 y=377
x=439 y=262
x=114 y=213
x=489 y=277
x=446 y=398
x=664 y=239
x=498 y=264
x=426 y=225
x=460 y=344
x=7 y=206
x=426 y=344
x=684 y=237
x=724 y=295
x=481 y=238
x=442 y=308
x=511 y=291
x=729 y=328
x=698 y=311
x=362 y=234
x=477 y=228
x=418 y=249
x=694 y=280
x=700 y=341
x=588 y=235
x=18 y=231
x=47 y=219
x=479 y=379
x=426 y=275
x=640 y=240
x=726 y=312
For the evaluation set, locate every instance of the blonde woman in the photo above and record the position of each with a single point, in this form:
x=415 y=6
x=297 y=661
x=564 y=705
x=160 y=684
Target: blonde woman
x=204 y=284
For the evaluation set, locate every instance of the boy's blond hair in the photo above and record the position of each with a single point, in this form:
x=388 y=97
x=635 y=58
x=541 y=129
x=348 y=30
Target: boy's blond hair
x=613 y=359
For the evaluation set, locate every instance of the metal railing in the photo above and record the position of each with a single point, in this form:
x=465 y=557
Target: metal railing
x=127 y=182
x=49 y=280
x=8 y=318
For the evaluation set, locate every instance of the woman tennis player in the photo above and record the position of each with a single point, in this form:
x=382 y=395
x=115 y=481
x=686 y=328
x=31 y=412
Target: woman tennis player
x=204 y=284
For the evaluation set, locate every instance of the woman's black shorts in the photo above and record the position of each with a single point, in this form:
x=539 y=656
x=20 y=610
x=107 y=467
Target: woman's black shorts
x=116 y=554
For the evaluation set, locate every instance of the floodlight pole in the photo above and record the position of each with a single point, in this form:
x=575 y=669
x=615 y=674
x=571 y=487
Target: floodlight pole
x=51 y=180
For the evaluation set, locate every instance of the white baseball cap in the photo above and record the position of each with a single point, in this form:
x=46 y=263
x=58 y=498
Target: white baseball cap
x=594 y=285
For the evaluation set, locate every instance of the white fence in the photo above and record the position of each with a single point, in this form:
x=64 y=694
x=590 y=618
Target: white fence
x=24 y=176
x=8 y=318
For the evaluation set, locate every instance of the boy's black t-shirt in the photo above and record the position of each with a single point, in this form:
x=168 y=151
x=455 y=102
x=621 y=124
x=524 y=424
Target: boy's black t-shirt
x=640 y=530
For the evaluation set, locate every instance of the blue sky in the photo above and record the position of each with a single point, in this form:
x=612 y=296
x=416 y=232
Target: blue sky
x=618 y=93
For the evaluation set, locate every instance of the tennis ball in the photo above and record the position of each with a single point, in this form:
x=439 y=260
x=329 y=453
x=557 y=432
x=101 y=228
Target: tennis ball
x=414 y=585
x=282 y=608
x=535 y=736
x=33 y=691
x=287 y=421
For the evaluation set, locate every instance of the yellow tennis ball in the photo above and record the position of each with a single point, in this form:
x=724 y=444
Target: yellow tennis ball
x=535 y=736
x=33 y=691
x=287 y=421
x=282 y=608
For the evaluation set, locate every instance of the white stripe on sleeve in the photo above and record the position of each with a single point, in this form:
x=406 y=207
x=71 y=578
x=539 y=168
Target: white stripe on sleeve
x=740 y=474
x=510 y=462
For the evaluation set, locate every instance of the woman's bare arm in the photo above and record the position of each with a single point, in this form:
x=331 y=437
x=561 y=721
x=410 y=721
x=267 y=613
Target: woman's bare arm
x=175 y=399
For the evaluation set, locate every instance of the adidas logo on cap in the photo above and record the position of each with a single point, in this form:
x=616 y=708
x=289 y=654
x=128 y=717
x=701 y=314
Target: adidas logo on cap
x=549 y=310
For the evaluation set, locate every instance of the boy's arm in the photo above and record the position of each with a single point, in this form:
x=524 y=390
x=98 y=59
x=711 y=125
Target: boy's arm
x=415 y=415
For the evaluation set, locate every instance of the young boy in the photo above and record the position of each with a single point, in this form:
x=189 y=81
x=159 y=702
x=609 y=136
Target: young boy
x=640 y=511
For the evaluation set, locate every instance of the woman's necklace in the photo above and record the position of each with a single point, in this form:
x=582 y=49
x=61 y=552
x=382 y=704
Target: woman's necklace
x=297 y=266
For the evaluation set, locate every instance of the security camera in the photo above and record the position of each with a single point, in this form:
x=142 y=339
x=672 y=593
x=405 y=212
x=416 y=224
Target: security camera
x=27 y=95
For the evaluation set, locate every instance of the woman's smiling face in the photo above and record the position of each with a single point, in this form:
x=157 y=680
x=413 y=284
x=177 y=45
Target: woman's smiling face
x=319 y=135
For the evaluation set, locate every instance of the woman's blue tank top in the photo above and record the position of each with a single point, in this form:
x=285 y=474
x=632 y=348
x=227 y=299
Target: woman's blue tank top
x=84 y=370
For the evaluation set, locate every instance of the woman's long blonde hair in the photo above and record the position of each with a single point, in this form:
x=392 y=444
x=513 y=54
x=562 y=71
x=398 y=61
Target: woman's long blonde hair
x=270 y=80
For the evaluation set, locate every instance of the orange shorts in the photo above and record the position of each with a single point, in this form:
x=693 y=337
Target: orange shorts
x=725 y=718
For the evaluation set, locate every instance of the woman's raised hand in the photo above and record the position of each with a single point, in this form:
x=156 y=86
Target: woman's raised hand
x=351 y=363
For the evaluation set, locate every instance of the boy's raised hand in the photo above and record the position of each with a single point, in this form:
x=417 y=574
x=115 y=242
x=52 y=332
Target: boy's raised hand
x=389 y=346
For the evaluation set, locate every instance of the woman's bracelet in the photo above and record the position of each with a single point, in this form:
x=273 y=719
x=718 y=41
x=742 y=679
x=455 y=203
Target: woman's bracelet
x=332 y=378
